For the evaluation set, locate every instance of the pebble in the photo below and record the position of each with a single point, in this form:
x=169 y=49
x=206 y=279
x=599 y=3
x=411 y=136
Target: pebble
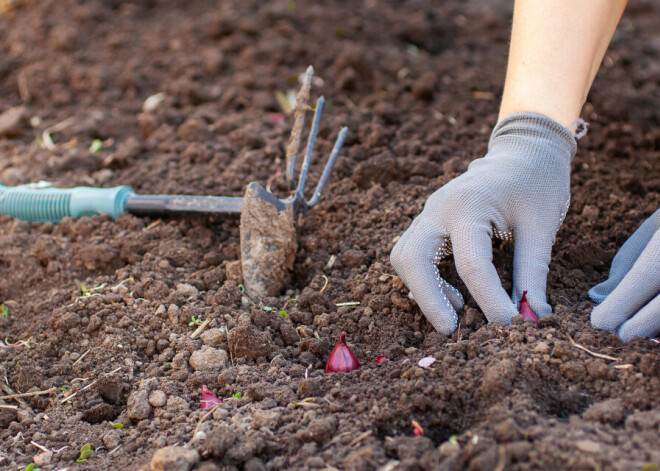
x=208 y=358
x=42 y=459
x=542 y=347
x=189 y=291
x=588 y=446
x=111 y=439
x=214 y=337
x=157 y=398
x=174 y=458
x=13 y=121
x=138 y=407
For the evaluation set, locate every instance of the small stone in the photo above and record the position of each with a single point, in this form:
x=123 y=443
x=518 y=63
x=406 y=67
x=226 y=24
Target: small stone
x=173 y=312
x=111 y=439
x=208 y=358
x=449 y=449
x=174 y=458
x=138 y=406
x=42 y=459
x=157 y=398
x=590 y=213
x=214 y=337
x=14 y=121
x=234 y=271
x=588 y=446
x=186 y=290
x=542 y=347
x=161 y=310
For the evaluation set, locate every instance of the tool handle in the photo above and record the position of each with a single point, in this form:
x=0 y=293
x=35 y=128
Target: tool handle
x=39 y=203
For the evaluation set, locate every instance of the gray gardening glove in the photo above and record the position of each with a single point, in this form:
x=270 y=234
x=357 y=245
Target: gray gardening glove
x=630 y=297
x=520 y=189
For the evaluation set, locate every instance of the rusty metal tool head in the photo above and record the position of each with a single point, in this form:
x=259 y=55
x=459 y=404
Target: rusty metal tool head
x=268 y=224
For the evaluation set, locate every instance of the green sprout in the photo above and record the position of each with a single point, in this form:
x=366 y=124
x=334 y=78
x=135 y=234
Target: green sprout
x=453 y=439
x=31 y=467
x=85 y=452
x=194 y=321
x=64 y=388
x=85 y=291
x=116 y=425
x=97 y=145
x=282 y=313
x=4 y=310
x=238 y=395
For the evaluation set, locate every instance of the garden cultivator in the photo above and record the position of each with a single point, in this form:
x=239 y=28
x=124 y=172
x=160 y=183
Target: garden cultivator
x=267 y=223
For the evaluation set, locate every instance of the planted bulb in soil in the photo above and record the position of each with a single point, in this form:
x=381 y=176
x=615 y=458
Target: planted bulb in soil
x=525 y=311
x=208 y=399
x=342 y=358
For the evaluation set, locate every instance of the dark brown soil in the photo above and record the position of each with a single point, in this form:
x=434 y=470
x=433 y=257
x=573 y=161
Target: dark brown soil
x=417 y=83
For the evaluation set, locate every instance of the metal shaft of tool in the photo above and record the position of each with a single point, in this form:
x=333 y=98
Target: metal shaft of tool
x=310 y=146
x=328 y=167
x=159 y=205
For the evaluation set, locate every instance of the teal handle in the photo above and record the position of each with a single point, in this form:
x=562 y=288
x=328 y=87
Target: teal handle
x=39 y=203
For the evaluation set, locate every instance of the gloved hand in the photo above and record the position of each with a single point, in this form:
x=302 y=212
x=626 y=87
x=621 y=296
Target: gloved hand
x=520 y=189
x=630 y=297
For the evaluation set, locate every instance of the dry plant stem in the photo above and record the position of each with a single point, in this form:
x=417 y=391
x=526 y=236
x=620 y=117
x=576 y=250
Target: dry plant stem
x=201 y=420
x=583 y=348
x=68 y=398
x=199 y=329
x=29 y=394
x=81 y=357
x=7 y=406
x=299 y=110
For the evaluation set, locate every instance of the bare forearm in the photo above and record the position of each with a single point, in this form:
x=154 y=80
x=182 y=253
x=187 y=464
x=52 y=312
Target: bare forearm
x=556 y=49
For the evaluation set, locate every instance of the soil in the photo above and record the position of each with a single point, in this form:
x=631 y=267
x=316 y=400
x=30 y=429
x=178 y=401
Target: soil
x=417 y=83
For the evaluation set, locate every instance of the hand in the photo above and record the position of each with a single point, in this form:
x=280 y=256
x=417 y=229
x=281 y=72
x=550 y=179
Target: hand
x=520 y=189
x=630 y=297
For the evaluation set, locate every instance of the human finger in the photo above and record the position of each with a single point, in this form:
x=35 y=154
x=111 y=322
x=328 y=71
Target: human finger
x=414 y=259
x=646 y=323
x=473 y=255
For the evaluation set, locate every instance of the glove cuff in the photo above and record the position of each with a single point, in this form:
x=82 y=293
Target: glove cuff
x=527 y=132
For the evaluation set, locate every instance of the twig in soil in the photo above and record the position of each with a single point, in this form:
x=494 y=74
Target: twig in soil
x=153 y=224
x=583 y=348
x=23 y=90
x=68 y=398
x=624 y=366
x=501 y=461
x=81 y=357
x=325 y=285
x=114 y=449
x=7 y=406
x=41 y=447
x=29 y=394
x=348 y=303
x=359 y=438
x=200 y=328
x=202 y=419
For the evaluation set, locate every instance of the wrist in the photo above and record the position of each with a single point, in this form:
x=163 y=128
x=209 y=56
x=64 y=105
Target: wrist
x=529 y=133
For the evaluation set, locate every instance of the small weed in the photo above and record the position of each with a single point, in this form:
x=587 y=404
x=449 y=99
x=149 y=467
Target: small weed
x=194 y=321
x=4 y=310
x=85 y=452
x=116 y=425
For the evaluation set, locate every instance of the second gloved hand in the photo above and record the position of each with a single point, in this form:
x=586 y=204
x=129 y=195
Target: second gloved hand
x=520 y=189
x=630 y=297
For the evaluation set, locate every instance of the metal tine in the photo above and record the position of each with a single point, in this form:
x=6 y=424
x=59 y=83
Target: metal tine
x=310 y=146
x=328 y=168
x=299 y=112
